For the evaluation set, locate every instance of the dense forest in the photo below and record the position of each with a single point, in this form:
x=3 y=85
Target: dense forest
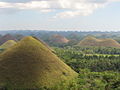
x=88 y=80
x=98 y=67
x=96 y=59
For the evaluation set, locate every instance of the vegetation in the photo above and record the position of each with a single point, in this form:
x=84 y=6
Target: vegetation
x=78 y=57
x=6 y=37
x=8 y=44
x=92 y=41
x=98 y=67
x=88 y=80
x=57 y=40
x=30 y=64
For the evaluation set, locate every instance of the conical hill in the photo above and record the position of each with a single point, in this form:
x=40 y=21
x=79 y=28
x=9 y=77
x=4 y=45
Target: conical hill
x=59 y=39
x=92 y=41
x=30 y=64
x=45 y=44
x=6 y=37
x=8 y=44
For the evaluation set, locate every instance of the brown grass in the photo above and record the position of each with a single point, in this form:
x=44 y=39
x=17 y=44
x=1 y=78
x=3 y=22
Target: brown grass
x=59 y=39
x=92 y=41
x=30 y=64
x=8 y=44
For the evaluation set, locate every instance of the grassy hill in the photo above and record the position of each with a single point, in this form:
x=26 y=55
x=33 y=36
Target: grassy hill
x=30 y=64
x=45 y=44
x=8 y=44
x=59 y=39
x=92 y=41
x=6 y=37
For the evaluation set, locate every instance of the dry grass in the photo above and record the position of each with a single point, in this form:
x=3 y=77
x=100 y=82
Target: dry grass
x=8 y=44
x=30 y=64
x=92 y=41
x=6 y=37
x=59 y=39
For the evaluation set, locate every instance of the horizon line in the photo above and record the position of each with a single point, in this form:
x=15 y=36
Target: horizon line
x=67 y=30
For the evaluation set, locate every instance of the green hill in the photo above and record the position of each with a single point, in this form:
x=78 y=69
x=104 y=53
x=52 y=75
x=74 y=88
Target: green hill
x=30 y=64
x=8 y=44
x=7 y=37
x=92 y=41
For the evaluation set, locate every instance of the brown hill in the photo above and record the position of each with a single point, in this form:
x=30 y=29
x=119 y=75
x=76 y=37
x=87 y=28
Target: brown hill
x=59 y=39
x=30 y=64
x=92 y=41
x=6 y=37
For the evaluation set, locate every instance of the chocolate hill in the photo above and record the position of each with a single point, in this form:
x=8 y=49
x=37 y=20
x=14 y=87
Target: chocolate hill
x=45 y=44
x=30 y=64
x=92 y=41
x=6 y=37
x=8 y=44
x=59 y=39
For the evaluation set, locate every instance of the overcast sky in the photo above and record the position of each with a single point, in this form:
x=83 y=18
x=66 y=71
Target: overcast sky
x=82 y=15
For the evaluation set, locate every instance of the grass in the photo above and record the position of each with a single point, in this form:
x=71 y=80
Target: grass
x=59 y=39
x=92 y=41
x=8 y=44
x=30 y=64
x=6 y=37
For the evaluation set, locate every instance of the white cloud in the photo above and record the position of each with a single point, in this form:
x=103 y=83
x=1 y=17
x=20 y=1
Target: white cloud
x=28 y=5
x=71 y=7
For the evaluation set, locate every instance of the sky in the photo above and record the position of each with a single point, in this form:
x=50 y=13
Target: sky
x=58 y=15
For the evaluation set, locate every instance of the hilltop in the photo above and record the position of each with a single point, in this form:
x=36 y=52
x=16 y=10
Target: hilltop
x=45 y=44
x=6 y=37
x=59 y=39
x=30 y=64
x=92 y=41
x=8 y=44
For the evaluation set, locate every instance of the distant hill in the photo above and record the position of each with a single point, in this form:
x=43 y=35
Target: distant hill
x=92 y=41
x=18 y=36
x=30 y=64
x=59 y=39
x=8 y=44
x=45 y=44
x=6 y=37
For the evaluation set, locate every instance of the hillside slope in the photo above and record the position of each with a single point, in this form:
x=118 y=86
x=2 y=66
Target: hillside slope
x=59 y=39
x=45 y=44
x=30 y=64
x=8 y=44
x=92 y=41
x=6 y=37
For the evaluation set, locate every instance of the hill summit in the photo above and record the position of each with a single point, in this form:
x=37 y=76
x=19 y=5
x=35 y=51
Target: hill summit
x=30 y=64
x=8 y=44
x=6 y=37
x=59 y=39
x=92 y=41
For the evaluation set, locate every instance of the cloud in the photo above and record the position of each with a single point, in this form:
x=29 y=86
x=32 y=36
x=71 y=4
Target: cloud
x=67 y=8
x=16 y=1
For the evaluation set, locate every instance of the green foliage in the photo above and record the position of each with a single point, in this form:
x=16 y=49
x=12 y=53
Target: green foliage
x=88 y=80
x=98 y=67
x=99 y=80
x=77 y=58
